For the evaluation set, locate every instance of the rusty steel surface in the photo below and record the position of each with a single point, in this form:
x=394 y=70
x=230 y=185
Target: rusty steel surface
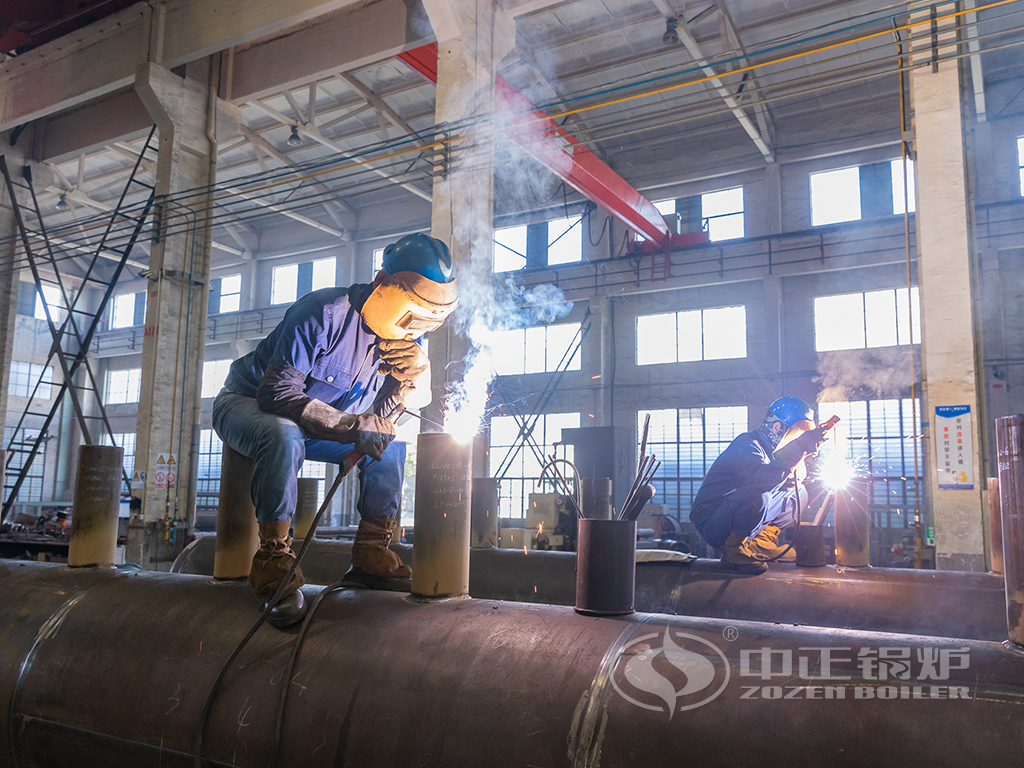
x=97 y=498
x=935 y=603
x=1010 y=449
x=108 y=668
x=606 y=572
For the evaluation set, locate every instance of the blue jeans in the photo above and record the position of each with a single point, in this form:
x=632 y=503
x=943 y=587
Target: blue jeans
x=278 y=446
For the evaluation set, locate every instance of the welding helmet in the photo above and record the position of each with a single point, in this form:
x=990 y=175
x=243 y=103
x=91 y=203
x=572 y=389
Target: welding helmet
x=417 y=292
x=787 y=419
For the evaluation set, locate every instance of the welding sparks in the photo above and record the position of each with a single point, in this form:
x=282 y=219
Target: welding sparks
x=835 y=471
x=467 y=401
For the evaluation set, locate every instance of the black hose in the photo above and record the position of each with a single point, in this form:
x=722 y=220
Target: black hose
x=208 y=706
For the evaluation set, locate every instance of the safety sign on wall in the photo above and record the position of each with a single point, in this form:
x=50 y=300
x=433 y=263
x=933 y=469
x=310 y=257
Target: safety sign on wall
x=166 y=470
x=953 y=447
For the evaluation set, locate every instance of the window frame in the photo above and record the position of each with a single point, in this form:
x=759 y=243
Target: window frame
x=900 y=330
x=855 y=199
x=686 y=316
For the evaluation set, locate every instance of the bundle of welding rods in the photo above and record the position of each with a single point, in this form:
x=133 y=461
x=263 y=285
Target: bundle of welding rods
x=641 y=491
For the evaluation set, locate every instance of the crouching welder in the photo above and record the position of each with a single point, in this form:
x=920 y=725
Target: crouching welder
x=752 y=490
x=323 y=384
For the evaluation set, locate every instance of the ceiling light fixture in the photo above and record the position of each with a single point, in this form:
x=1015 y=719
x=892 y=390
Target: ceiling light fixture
x=294 y=140
x=61 y=204
x=671 y=37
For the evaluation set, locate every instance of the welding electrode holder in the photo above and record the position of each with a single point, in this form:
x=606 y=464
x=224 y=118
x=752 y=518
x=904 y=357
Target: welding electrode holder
x=605 y=567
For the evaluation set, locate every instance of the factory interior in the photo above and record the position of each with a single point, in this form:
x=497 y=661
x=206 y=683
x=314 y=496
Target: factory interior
x=679 y=215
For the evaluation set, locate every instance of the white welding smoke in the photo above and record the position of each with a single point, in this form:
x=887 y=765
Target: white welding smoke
x=490 y=304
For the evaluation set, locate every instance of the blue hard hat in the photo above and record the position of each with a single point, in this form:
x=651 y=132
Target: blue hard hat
x=422 y=254
x=790 y=410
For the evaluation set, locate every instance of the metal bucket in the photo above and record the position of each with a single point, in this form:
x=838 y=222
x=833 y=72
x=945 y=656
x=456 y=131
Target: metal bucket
x=810 y=545
x=605 y=567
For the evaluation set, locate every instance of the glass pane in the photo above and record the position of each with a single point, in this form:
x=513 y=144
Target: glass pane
x=560 y=339
x=666 y=207
x=655 y=339
x=509 y=248
x=536 y=350
x=835 y=196
x=880 y=318
x=284 y=284
x=839 y=322
x=324 y=273
x=565 y=241
x=897 y=186
x=901 y=315
x=725 y=227
x=123 y=314
x=723 y=202
x=214 y=373
x=690 y=339
x=230 y=284
x=509 y=352
x=378 y=260
x=725 y=333
x=229 y=303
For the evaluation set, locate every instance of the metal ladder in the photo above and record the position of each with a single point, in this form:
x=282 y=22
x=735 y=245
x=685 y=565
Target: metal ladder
x=70 y=345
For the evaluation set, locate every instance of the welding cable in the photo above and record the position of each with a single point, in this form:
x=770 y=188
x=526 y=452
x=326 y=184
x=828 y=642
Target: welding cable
x=197 y=748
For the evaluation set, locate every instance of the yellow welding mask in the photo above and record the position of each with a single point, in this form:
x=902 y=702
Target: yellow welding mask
x=406 y=305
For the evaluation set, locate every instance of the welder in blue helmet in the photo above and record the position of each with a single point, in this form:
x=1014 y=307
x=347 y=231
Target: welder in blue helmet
x=752 y=490
x=326 y=382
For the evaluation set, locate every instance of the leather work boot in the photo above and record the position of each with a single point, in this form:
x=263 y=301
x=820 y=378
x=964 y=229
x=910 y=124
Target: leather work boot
x=270 y=565
x=766 y=546
x=736 y=556
x=374 y=566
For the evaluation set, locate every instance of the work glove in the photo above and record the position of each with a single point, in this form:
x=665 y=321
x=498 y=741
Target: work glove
x=793 y=452
x=406 y=362
x=370 y=434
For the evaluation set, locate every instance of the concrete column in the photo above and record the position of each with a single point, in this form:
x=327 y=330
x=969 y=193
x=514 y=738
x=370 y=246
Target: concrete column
x=8 y=271
x=773 y=198
x=186 y=114
x=473 y=35
x=946 y=278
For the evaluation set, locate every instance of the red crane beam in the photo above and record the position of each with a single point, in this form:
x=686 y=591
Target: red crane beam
x=556 y=149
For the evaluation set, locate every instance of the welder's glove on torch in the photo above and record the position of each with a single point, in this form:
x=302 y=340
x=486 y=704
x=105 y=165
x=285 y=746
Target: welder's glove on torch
x=406 y=362
x=370 y=434
x=793 y=452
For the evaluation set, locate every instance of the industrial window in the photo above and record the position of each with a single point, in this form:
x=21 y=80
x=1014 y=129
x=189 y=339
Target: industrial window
x=317 y=470
x=19 y=445
x=701 y=334
x=686 y=442
x=536 y=350
x=723 y=211
x=378 y=260
x=897 y=186
x=128 y=309
x=225 y=294
x=565 y=241
x=835 y=196
x=24 y=377
x=208 y=471
x=510 y=248
x=521 y=464
x=1020 y=162
x=125 y=441
x=214 y=373
x=665 y=208
x=293 y=280
x=866 y=320
x=49 y=296
x=877 y=438
x=123 y=386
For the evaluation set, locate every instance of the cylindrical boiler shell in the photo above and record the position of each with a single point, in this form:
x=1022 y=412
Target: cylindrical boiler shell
x=484 y=514
x=237 y=533
x=97 y=501
x=443 y=491
x=305 y=506
x=1010 y=449
x=853 y=525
